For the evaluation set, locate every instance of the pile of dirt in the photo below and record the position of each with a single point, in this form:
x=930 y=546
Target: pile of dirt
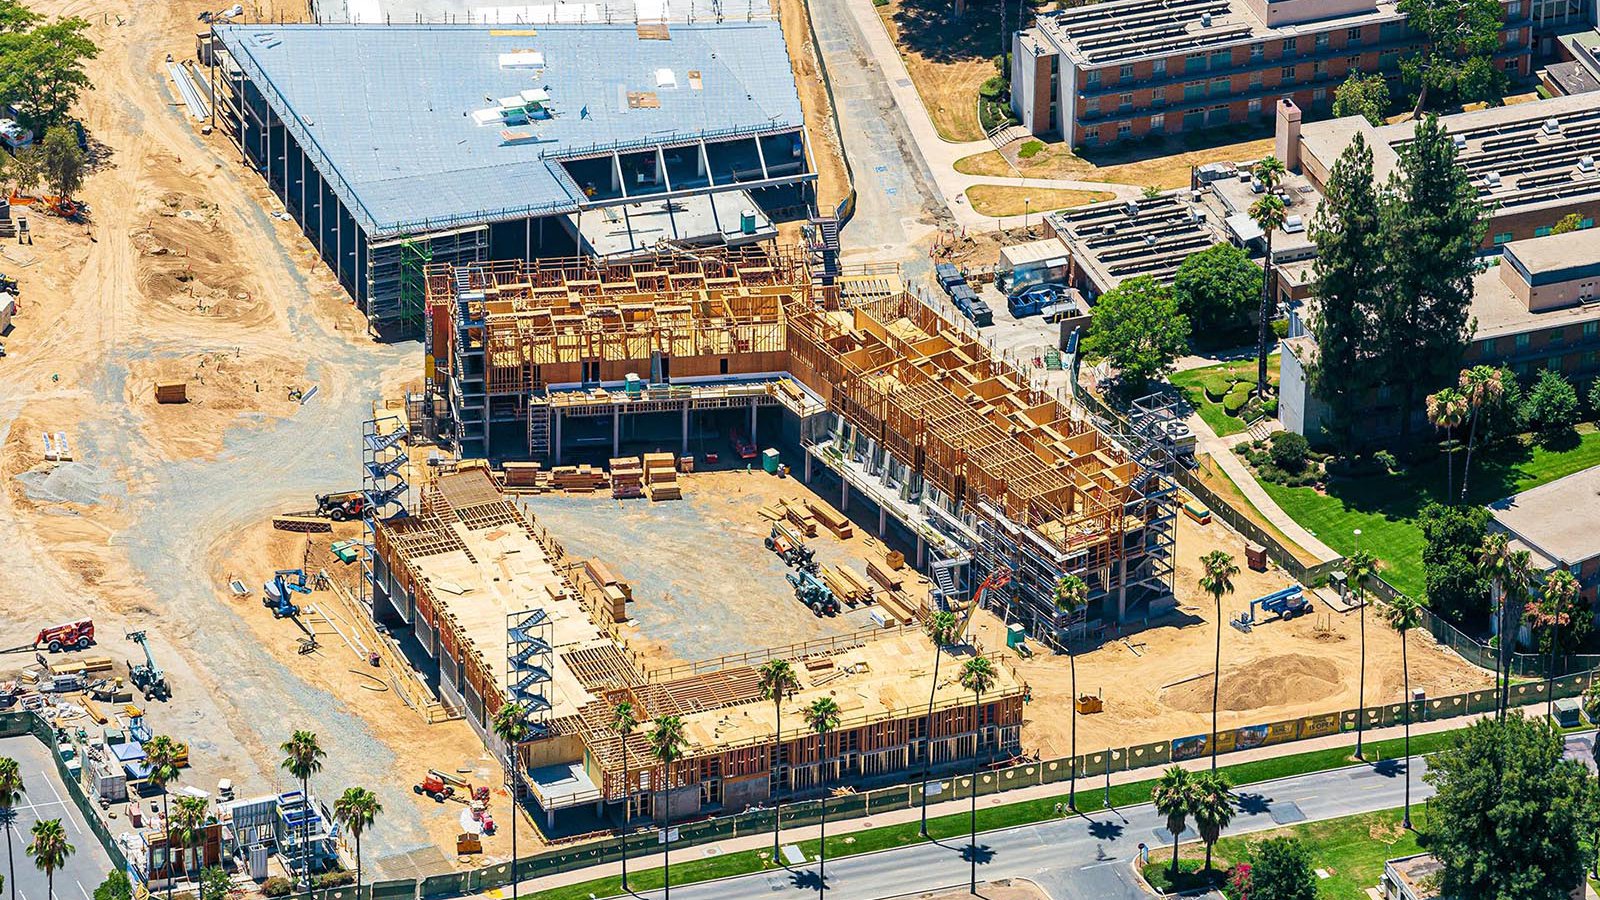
x=1273 y=681
x=188 y=262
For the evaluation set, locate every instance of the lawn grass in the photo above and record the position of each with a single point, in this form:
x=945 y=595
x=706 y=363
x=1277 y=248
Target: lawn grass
x=1158 y=874
x=1164 y=165
x=1351 y=850
x=1007 y=200
x=1211 y=412
x=948 y=59
x=694 y=866
x=1385 y=507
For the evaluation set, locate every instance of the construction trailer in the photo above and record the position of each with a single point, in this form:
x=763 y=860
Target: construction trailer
x=502 y=612
x=907 y=410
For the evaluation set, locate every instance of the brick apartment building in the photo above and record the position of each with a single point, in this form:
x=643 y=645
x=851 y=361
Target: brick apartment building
x=1124 y=69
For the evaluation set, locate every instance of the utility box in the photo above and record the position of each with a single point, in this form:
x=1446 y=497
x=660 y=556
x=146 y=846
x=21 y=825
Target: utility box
x=1255 y=557
x=1569 y=712
x=172 y=392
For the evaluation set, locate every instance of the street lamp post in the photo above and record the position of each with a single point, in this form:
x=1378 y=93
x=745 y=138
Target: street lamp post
x=1361 y=682
x=1025 y=202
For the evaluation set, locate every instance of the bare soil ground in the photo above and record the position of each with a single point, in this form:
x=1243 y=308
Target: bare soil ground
x=1006 y=200
x=833 y=182
x=948 y=58
x=223 y=387
x=1164 y=166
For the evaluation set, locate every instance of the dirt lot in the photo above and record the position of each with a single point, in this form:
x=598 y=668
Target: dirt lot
x=948 y=59
x=1163 y=166
x=833 y=182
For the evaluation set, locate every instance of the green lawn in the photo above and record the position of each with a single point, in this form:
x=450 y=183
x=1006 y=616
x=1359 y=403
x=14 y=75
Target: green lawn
x=1211 y=412
x=1351 y=850
x=1385 y=507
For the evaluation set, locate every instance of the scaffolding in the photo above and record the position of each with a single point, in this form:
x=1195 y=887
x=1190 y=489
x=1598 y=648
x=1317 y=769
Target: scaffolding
x=530 y=636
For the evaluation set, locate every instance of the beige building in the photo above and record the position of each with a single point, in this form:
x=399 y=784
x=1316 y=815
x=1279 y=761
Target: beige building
x=1553 y=272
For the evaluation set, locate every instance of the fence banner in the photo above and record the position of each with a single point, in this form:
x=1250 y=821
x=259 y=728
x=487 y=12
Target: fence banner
x=1317 y=726
x=1191 y=747
x=1436 y=708
x=1480 y=701
x=1095 y=763
x=438 y=885
x=1153 y=754
x=1057 y=769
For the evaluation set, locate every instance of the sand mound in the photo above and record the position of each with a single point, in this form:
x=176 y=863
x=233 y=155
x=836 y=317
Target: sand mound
x=1290 y=678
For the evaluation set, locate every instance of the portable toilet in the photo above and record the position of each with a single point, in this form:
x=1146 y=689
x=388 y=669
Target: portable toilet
x=633 y=385
x=769 y=460
x=1015 y=635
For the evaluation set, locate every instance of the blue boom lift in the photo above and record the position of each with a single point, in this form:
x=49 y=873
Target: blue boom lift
x=275 y=593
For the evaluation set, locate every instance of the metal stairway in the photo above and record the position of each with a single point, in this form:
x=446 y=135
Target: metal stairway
x=825 y=248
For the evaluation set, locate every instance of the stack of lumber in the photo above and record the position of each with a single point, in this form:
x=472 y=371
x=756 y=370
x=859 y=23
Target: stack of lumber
x=522 y=474
x=172 y=392
x=613 y=596
x=797 y=513
x=86 y=666
x=851 y=587
x=896 y=607
x=661 y=477
x=831 y=519
x=627 y=478
x=772 y=513
x=889 y=578
x=583 y=479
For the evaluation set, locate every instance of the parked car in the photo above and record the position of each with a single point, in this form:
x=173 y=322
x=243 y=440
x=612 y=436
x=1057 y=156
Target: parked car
x=14 y=135
x=1030 y=301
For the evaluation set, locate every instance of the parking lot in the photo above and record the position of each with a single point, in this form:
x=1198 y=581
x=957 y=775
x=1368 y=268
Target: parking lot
x=45 y=797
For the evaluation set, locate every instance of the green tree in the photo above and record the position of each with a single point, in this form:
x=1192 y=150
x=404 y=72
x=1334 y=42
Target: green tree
x=161 y=758
x=1551 y=409
x=187 y=830
x=302 y=758
x=1567 y=223
x=778 y=684
x=978 y=676
x=1460 y=38
x=117 y=886
x=668 y=743
x=1432 y=225
x=1360 y=566
x=42 y=69
x=1350 y=286
x=50 y=850
x=26 y=169
x=511 y=724
x=215 y=884
x=624 y=721
x=1447 y=411
x=1456 y=588
x=11 y=786
x=1555 y=608
x=1269 y=214
x=1482 y=387
x=63 y=161
x=1215 y=289
x=1070 y=596
x=1213 y=808
x=1361 y=95
x=943 y=631
x=1280 y=869
x=1511 y=815
x=16 y=18
x=356 y=809
x=1216 y=579
x=823 y=717
x=1137 y=326
x=1403 y=614
x=1173 y=796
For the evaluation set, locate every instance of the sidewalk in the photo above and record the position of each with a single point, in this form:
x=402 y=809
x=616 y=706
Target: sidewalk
x=763 y=840
x=1221 y=450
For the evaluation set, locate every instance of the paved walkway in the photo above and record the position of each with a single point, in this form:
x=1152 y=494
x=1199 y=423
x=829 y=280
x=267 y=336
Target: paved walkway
x=1221 y=450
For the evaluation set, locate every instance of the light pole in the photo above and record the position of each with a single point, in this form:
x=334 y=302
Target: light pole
x=1361 y=681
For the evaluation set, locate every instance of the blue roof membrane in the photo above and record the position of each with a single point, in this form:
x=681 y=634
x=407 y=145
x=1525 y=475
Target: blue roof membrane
x=385 y=112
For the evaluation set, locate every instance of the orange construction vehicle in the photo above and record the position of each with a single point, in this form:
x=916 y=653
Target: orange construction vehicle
x=70 y=636
x=434 y=788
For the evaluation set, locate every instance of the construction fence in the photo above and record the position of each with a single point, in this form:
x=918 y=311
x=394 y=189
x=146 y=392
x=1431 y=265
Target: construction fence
x=18 y=724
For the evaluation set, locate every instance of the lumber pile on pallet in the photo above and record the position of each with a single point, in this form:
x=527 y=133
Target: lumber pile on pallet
x=583 y=479
x=800 y=516
x=522 y=476
x=895 y=607
x=831 y=519
x=172 y=392
x=888 y=578
x=847 y=584
x=627 y=478
x=302 y=524
x=661 y=477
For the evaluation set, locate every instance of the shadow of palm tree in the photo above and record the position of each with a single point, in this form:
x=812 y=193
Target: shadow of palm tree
x=1390 y=768
x=805 y=879
x=983 y=853
x=1105 y=830
x=1252 y=804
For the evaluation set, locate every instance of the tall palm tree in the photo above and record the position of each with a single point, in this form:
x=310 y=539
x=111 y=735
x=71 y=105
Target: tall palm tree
x=50 y=851
x=1217 y=580
x=943 y=630
x=1447 y=411
x=1269 y=214
x=1213 y=808
x=1358 y=567
x=667 y=745
x=1483 y=386
x=1553 y=612
x=187 y=829
x=978 y=676
x=1403 y=614
x=778 y=684
x=302 y=758
x=356 y=809
x=623 y=722
x=823 y=716
x=511 y=725
x=1519 y=586
x=1173 y=796
x=1071 y=594
x=1493 y=566
x=11 y=789
x=161 y=757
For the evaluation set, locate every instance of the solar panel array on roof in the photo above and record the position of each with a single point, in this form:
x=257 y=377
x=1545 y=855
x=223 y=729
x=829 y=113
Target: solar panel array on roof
x=1533 y=160
x=1131 y=238
x=1106 y=32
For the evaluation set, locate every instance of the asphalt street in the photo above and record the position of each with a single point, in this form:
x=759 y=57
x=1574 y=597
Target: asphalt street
x=45 y=797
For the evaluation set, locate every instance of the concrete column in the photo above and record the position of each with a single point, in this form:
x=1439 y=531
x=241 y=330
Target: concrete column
x=807 y=466
x=844 y=494
x=753 y=422
x=685 y=431
x=616 y=432
x=883 y=520
x=1122 y=589
x=555 y=445
x=921 y=551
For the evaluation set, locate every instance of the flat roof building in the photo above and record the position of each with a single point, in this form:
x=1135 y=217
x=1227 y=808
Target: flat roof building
x=465 y=143
x=1125 y=69
x=1555 y=523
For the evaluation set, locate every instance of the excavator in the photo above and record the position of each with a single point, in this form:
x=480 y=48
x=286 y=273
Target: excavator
x=147 y=676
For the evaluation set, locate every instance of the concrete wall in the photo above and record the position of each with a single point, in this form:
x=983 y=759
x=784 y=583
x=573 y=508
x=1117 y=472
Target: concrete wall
x=1299 y=411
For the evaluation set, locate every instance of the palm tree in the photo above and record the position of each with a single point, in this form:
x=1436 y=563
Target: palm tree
x=1447 y=411
x=943 y=630
x=1217 y=581
x=1404 y=614
x=623 y=722
x=1072 y=594
x=1269 y=214
x=977 y=675
x=161 y=757
x=1550 y=614
x=50 y=851
x=302 y=758
x=1493 y=567
x=1173 y=796
x=1519 y=585
x=511 y=725
x=1213 y=808
x=1358 y=567
x=667 y=744
x=355 y=809
x=188 y=827
x=11 y=789
x=823 y=716
x=1483 y=386
x=778 y=683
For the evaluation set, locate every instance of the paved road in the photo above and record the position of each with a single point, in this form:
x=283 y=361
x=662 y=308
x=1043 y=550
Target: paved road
x=45 y=797
x=1086 y=857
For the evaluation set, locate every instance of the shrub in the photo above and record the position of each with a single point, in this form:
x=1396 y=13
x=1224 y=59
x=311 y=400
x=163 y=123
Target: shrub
x=994 y=88
x=1235 y=402
x=1594 y=399
x=1030 y=149
x=1551 y=408
x=1217 y=387
x=1280 y=328
x=336 y=879
x=1591 y=702
x=1271 y=408
x=276 y=886
x=1290 y=451
x=1385 y=459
